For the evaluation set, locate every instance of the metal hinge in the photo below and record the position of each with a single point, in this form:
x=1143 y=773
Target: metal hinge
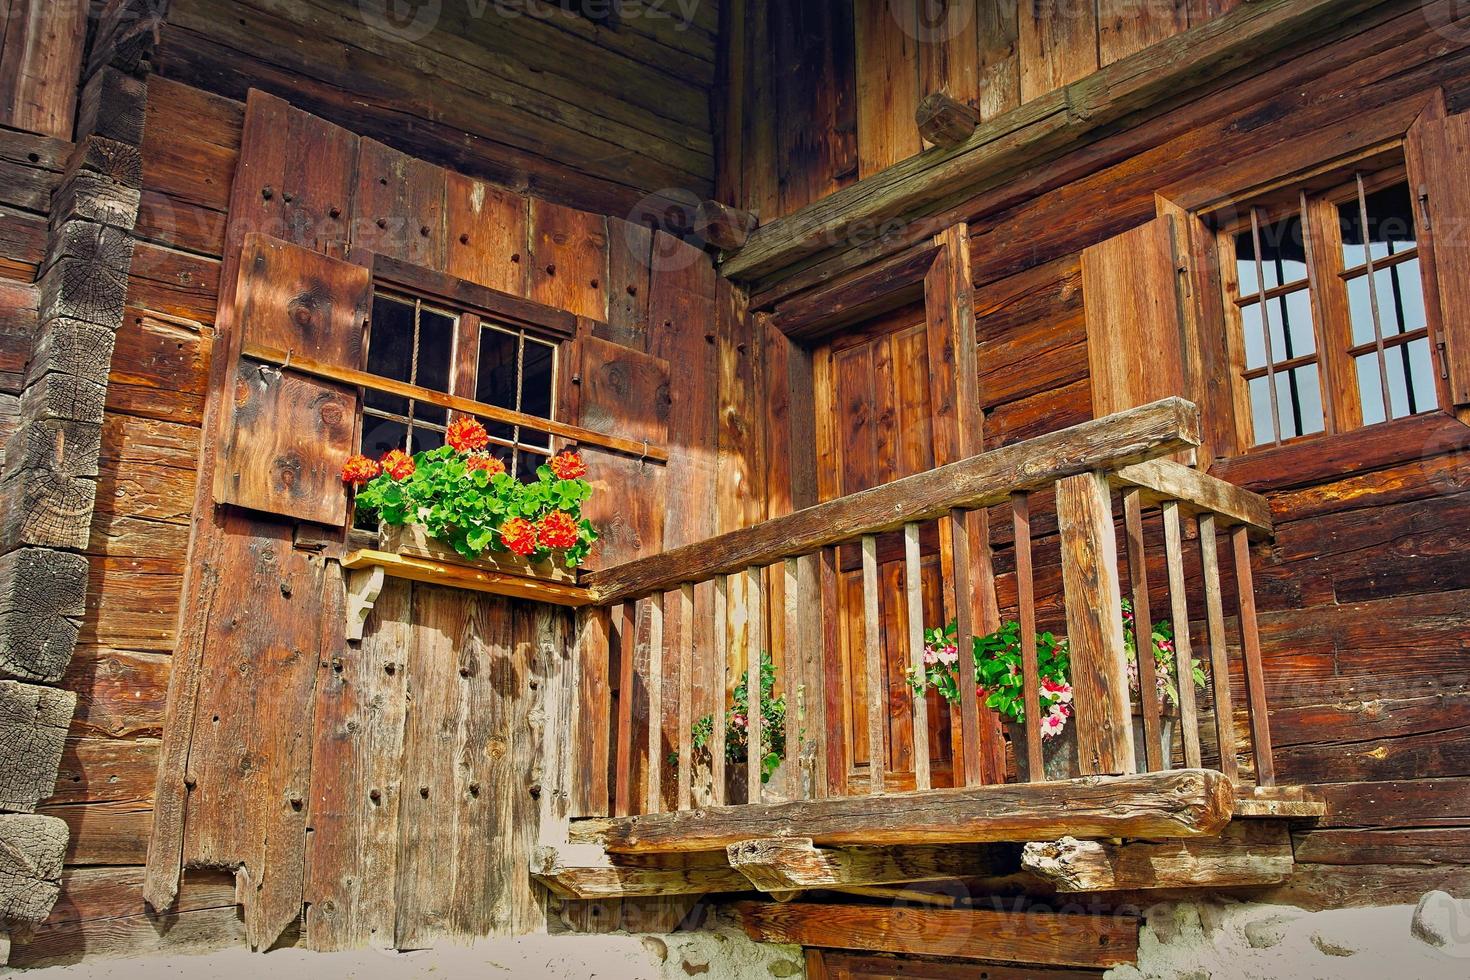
x=1444 y=365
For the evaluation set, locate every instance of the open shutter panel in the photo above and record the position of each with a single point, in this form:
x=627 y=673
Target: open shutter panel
x=624 y=392
x=290 y=433
x=1135 y=335
x=1436 y=150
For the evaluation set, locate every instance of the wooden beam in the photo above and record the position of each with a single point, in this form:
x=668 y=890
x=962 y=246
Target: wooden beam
x=598 y=877
x=1286 y=802
x=464 y=577
x=723 y=226
x=784 y=864
x=943 y=121
x=1038 y=130
x=1028 y=936
x=979 y=481
x=1197 y=493
x=1177 y=803
x=1251 y=853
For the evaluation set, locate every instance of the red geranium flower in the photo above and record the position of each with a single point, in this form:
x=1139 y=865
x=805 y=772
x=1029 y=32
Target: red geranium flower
x=557 y=530
x=398 y=464
x=519 y=535
x=466 y=435
x=568 y=466
x=359 y=469
x=481 y=461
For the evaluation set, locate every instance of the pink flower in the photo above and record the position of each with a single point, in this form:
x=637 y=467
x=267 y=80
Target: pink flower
x=1056 y=691
x=930 y=657
x=1052 y=725
x=950 y=655
x=738 y=721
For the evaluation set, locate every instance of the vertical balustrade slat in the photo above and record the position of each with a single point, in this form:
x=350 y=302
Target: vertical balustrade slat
x=1183 y=651
x=1219 y=652
x=686 y=696
x=914 y=594
x=1095 y=625
x=722 y=666
x=1255 y=679
x=836 y=682
x=754 y=715
x=791 y=686
x=964 y=638
x=654 y=801
x=1143 y=629
x=594 y=722
x=1026 y=601
x=626 y=618
x=873 y=660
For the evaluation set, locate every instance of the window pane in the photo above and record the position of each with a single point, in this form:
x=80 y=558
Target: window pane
x=1245 y=264
x=1291 y=326
x=536 y=378
x=380 y=435
x=425 y=439
x=1390 y=225
x=1260 y=395
x=1400 y=298
x=1370 y=387
x=1411 y=379
x=1299 y=399
x=436 y=350
x=495 y=378
x=527 y=462
x=1360 y=310
x=1283 y=256
x=390 y=350
x=1255 y=341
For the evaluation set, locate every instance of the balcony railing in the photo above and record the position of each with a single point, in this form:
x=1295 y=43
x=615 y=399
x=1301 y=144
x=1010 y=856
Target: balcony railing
x=797 y=558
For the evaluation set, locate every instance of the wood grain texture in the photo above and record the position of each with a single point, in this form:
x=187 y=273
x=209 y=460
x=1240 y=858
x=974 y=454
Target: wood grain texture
x=1031 y=937
x=1249 y=853
x=1179 y=803
x=790 y=864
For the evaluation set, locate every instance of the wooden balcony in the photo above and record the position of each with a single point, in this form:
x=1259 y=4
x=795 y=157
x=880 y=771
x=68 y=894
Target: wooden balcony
x=653 y=814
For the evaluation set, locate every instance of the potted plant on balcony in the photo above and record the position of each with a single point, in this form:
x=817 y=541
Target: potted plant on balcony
x=737 y=733
x=998 y=679
x=458 y=504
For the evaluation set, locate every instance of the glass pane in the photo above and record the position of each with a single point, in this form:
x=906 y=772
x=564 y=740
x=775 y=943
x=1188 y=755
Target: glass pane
x=1260 y=396
x=380 y=435
x=1400 y=298
x=526 y=464
x=1291 y=325
x=426 y=439
x=436 y=350
x=495 y=377
x=1299 y=400
x=1283 y=255
x=1360 y=310
x=1390 y=225
x=536 y=378
x=1411 y=379
x=531 y=437
x=1245 y=264
x=1350 y=220
x=1255 y=341
x=1370 y=387
x=390 y=350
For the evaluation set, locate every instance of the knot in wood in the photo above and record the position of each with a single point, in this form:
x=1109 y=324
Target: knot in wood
x=267 y=192
x=334 y=212
x=464 y=239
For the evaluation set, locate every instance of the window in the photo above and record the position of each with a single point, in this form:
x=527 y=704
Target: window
x=428 y=346
x=1329 y=330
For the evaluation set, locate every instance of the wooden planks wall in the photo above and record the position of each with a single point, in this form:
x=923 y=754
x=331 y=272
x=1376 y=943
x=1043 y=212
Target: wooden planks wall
x=533 y=96
x=839 y=104
x=645 y=295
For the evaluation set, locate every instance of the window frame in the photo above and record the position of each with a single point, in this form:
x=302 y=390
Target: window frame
x=1316 y=198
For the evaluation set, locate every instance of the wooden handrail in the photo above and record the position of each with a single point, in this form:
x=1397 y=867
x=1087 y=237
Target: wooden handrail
x=1197 y=493
x=989 y=478
x=331 y=372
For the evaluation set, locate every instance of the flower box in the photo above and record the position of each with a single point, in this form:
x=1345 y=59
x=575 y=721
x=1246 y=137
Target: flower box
x=412 y=540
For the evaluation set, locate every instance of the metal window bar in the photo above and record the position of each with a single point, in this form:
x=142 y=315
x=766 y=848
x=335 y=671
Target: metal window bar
x=1373 y=297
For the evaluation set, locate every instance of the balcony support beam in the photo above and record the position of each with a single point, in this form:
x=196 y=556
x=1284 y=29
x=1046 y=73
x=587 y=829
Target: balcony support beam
x=1248 y=853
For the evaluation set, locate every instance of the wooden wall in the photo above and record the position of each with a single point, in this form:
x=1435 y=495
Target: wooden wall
x=821 y=94
x=523 y=93
x=638 y=291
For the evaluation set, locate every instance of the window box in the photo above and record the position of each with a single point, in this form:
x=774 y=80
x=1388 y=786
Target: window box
x=413 y=541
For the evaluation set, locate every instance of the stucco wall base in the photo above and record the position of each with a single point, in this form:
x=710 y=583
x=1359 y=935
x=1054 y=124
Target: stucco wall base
x=1247 y=941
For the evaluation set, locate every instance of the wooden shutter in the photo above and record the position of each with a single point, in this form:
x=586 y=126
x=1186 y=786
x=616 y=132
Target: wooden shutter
x=1135 y=330
x=290 y=433
x=624 y=392
x=1436 y=149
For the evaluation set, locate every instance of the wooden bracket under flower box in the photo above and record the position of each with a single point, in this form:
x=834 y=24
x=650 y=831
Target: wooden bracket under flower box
x=409 y=553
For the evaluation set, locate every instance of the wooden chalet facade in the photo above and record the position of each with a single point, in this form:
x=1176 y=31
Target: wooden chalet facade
x=865 y=316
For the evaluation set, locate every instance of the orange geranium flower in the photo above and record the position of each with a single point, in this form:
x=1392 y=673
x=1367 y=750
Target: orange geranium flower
x=519 y=535
x=398 y=464
x=557 y=530
x=568 y=466
x=483 y=461
x=359 y=469
x=466 y=435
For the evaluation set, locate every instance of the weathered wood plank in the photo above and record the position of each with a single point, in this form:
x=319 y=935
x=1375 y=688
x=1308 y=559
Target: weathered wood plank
x=1255 y=679
x=1143 y=626
x=914 y=600
x=1248 y=853
x=1183 y=648
x=1197 y=492
x=979 y=481
x=788 y=864
x=1028 y=936
x=873 y=668
x=1179 y=803
x=1219 y=651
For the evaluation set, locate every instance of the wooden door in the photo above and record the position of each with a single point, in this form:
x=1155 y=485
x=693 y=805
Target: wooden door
x=875 y=425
